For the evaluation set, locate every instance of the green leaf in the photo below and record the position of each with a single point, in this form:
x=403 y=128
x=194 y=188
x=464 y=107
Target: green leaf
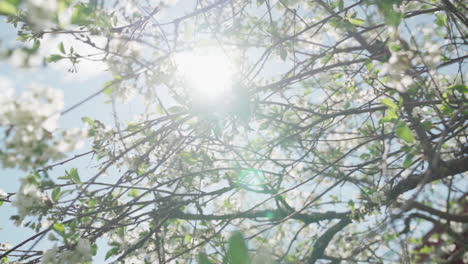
x=391 y=116
x=59 y=228
x=441 y=20
x=395 y=47
x=390 y=104
x=88 y=121
x=340 y=5
x=56 y=194
x=108 y=90
x=133 y=193
x=73 y=175
x=36 y=45
x=7 y=8
x=446 y=109
x=238 y=252
x=61 y=48
x=426 y=249
x=112 y=252
x=387 y=8
x=81 y=14
x=355 y=21
x=459 y=87
x=94 y=249
x=54 y=58
x=203 y=259
x=404 y=132
x=427 y=125
x=260 y=2
x=409 y=157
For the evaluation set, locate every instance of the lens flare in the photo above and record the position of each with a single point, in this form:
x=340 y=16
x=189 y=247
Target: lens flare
x=208 y=74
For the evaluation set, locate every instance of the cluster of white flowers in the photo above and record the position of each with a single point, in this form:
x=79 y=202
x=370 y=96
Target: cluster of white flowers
x=402 y=59
x=377 y=197
x=29 y=200
x=4 y=246
x=3 y=195
x=420 y=111
x=28 y=122
x=430 y=55
x=396 y=69
x=80 y=254
x=40 y=12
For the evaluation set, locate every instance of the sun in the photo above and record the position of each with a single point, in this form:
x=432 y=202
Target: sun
x=208 y=73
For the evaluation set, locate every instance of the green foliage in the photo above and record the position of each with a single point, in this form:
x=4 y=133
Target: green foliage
x=388 y=8
x=61 y=48
x=8 y=7
x=113 y=251
x=237 y=250
x=55 y=58
x=203 y=259
x=82 y=15
x=459 y=87
x=390 y=104
x=404 y=132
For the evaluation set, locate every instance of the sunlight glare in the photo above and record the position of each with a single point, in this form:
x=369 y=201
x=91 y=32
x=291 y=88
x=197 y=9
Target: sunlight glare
x=209 y=73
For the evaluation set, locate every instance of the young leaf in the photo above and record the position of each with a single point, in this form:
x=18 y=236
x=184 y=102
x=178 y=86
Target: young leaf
x=61 y=48
x=459 y=87
x=73 y=173
x=404 y=132
x=407 y=162
x=59 y=228
x=56 y=194
x=7 y=8
x=203 y=259
x=133 y=193
x=54 y=58
x=88 y=120
x=391 y=115
x=340 y=5
x=112 y=252
x=355 y=21
x=389 y=103
x=238 y=252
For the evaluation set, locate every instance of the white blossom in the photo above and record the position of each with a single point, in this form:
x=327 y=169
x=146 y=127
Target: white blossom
x=50 y=256
x=41 y=12
x=29 y=199
x=3 y=195
x=29 y=122
x=81 y=253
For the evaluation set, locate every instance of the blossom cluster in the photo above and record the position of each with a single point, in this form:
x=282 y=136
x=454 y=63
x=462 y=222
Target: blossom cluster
x=28 y=122
x=29 y=200
x=81 y=253
x=398 y=66
x=397 y=70
x=41 y=11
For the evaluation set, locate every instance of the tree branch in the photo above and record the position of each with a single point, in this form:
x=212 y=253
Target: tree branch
x=322 y=243
x=452 y=167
